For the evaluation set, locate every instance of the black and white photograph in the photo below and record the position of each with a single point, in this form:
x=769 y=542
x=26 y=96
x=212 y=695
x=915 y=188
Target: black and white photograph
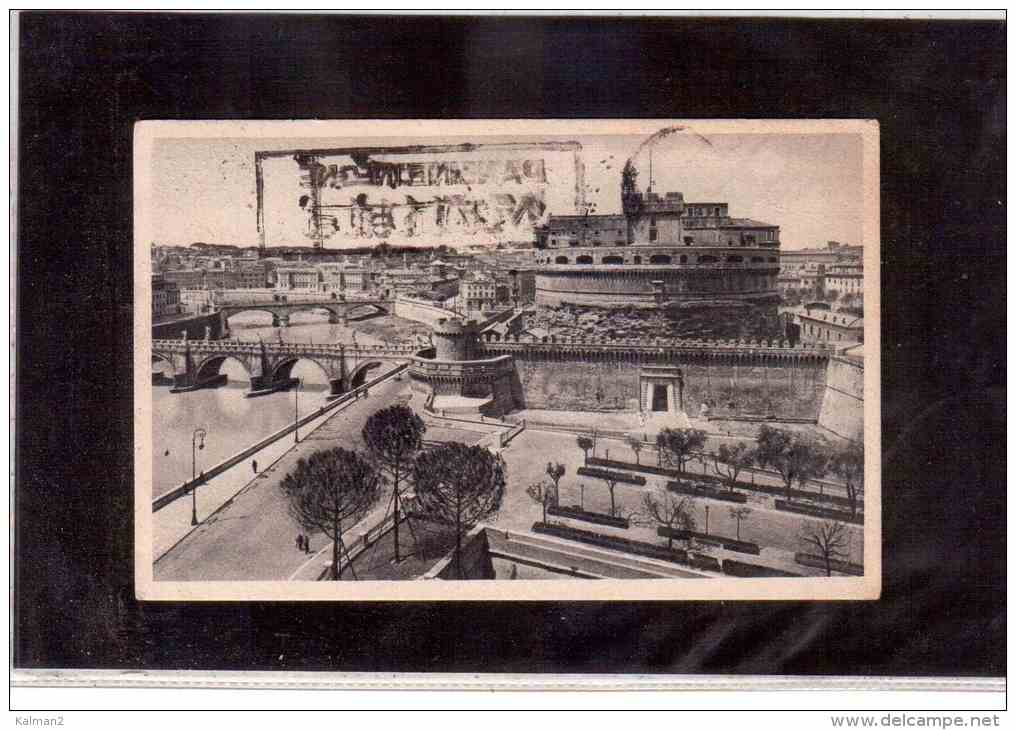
x=586 y=360
x=507 y=359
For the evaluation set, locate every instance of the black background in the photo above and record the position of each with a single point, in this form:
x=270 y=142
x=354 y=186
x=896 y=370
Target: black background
x=938 y=90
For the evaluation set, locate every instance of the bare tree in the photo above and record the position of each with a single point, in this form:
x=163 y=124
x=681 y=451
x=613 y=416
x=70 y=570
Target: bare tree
x=394 y=436
x=739 y=514
x=585 y=443
x=635 y=444
x=459 y=485
x=331 y=490
x=555 y=471
x=543 y=494
x=830 y=538
x=676 y=445
x=667 y=509
x=610 y=479
x=730 y=461
x=848 y=465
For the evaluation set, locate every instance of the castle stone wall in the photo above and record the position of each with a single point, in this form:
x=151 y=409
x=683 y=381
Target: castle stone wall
x=790 y=388
x=843 y=405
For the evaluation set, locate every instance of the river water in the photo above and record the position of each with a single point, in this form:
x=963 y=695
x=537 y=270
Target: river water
x=233 y=422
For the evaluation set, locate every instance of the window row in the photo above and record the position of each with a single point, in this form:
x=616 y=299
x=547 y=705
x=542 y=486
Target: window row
x=659 y=259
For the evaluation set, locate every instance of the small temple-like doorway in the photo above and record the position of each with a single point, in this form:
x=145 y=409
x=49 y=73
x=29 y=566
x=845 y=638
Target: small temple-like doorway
x=659 y=402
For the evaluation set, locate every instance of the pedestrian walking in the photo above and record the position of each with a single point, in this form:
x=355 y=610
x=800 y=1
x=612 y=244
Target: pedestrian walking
x=306 y=544
x=254 y=465
x=299 y=542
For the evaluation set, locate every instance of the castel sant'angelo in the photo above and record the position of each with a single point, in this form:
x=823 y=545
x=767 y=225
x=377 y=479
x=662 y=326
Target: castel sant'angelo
x=687 y=259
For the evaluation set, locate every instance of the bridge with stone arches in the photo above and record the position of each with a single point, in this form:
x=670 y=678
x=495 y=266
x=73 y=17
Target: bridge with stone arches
x=196 y=363
x=339 y=310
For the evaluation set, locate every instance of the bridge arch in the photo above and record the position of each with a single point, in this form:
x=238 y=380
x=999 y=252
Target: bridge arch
x=162 y=357
x=284 y=368
x=230 y=312
x=359 y=375
x=372 y=308
x=212 y=366
x=167 y=375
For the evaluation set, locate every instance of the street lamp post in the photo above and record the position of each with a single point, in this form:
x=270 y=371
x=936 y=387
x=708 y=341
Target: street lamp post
x=296 y=409
x=196 y=437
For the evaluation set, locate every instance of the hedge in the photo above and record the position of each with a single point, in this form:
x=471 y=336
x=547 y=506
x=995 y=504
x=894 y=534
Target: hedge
x=617 y=476
x=815 y=511
x=660 y=471
x=613 y=542
x=696 y=491
x=773 y=489
x=751 y=570
x=840 y=566
x=727 y=543
x=577 y=513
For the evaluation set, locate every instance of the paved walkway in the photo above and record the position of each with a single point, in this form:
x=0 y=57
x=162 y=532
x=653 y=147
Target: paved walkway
x=252 y=536
x=173 y=522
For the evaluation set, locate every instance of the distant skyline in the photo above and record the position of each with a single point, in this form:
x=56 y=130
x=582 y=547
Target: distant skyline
x=809 y=185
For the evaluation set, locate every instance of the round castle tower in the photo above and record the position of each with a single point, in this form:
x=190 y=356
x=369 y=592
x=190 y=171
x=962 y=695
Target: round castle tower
x=454 y=339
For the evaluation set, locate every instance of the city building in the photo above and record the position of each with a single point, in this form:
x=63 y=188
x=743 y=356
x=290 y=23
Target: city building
x=477 y=292
x=252 y=275
x=165 y=298
x=846 y=279
x=403 y=280
x=186 y=278
x=819 y=324
x=793 y=260
x=197 y=301
x=341 y=277
x=790 y=284
x=297 y=277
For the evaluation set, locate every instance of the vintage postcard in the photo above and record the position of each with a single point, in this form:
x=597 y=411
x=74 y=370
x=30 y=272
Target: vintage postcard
x=507 y=360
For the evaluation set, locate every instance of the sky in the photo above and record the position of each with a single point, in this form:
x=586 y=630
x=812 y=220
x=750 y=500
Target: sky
x=809 y=185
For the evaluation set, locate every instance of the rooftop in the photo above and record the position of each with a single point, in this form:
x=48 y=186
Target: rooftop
x=844 y=320
x=746 y=223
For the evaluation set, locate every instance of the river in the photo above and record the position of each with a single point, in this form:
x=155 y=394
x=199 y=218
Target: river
x=233 y=422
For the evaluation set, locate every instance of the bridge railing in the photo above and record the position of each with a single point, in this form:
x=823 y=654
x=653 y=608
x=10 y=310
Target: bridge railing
x=281 y=348
x=184 y=488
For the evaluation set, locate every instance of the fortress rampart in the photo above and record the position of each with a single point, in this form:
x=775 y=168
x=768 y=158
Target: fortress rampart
x=843 y=403
x=731 y=378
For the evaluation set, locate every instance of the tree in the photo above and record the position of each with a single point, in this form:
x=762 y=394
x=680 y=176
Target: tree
x=329 y=490
x=739 y=514
x=394 y=435
x=830 y=538
x=459 y=485
x=848 y=465
x=794 y=457
x=734 y=460
x=667 y=509
x=635 y=444
x=585 y=443
x=677 y=445
x=555 y=472
x=610 y=479
x=542 y=494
